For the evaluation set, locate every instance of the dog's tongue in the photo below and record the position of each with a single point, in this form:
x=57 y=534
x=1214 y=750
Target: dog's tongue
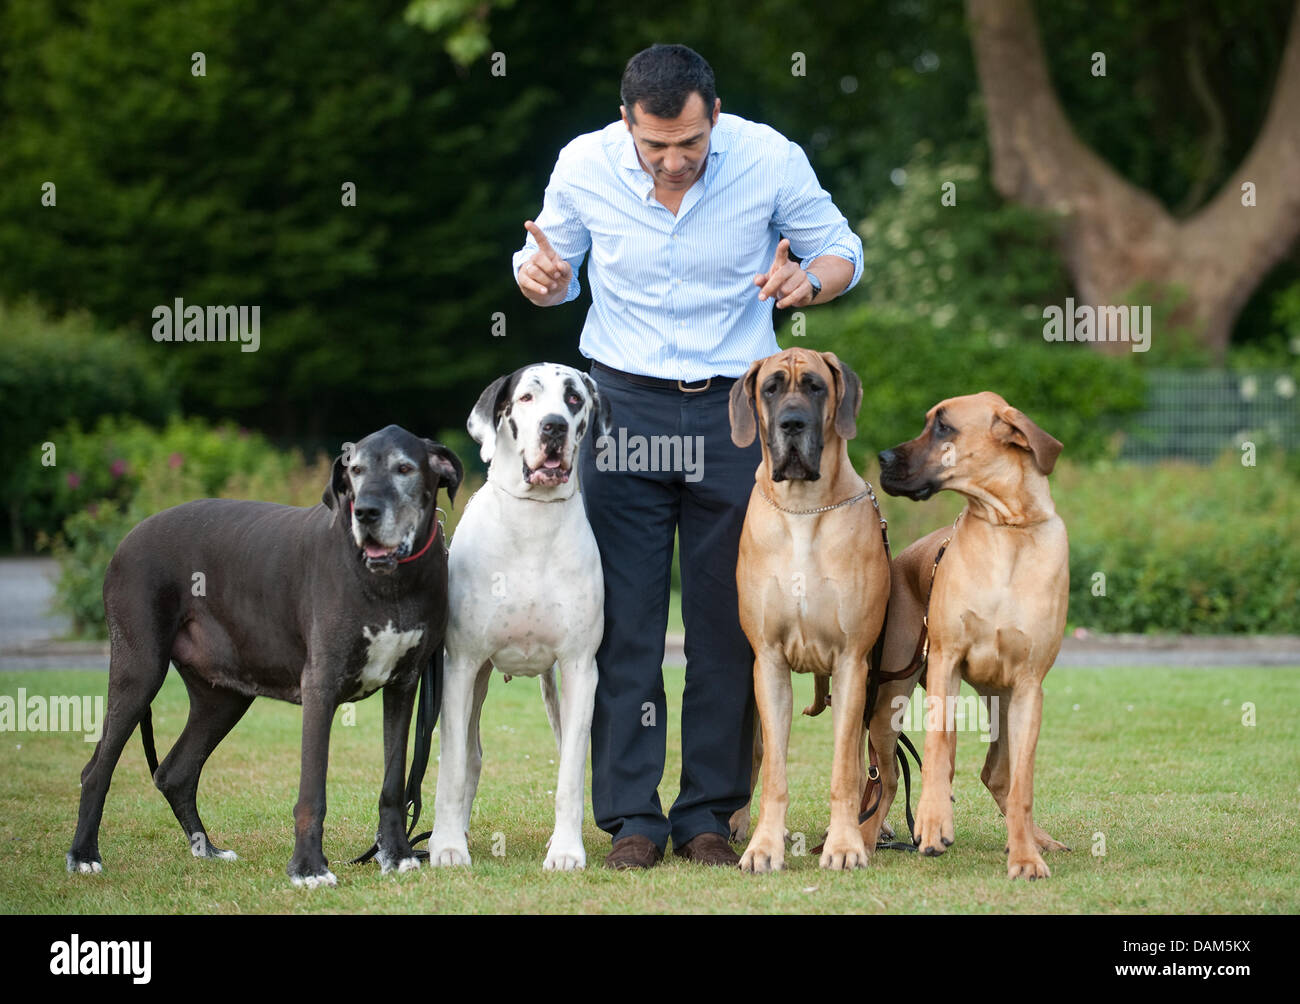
x=552 y=464
x=375 y=551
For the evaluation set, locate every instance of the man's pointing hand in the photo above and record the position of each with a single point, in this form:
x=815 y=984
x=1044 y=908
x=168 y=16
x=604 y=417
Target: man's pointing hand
x=544 y=278
x=784 y=279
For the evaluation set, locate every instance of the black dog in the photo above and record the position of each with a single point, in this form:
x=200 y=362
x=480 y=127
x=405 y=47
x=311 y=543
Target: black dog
x=316 y=606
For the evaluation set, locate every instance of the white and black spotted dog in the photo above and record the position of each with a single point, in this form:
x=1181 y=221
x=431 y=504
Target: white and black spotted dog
x=526 y=595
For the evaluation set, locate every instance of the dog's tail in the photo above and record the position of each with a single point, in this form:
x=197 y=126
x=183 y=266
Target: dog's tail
x=146 y=737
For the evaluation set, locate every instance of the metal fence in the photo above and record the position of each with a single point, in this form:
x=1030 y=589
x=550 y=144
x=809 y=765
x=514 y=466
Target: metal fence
x=1198 y=415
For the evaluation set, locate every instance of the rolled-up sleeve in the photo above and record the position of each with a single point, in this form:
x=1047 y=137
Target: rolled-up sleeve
x=563 y=227
x=807 y=216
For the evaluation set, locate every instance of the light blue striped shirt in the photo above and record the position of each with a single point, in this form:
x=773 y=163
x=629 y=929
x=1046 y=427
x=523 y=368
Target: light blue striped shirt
x=674 y=296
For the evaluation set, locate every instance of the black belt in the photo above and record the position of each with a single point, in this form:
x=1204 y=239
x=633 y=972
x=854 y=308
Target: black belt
x=693 y=387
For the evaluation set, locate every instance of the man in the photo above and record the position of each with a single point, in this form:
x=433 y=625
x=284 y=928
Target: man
x=689 y=217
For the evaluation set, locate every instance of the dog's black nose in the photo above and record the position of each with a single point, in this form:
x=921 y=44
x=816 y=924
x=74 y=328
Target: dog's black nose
x=554 y=425
x=886 y=457
x=792 y=425
x=366 y=514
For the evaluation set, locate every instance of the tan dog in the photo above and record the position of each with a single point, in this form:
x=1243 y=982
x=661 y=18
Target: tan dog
x=813 y=580
x=996 y=612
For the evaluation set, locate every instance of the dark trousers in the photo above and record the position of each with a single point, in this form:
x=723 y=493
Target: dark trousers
x=633 y=514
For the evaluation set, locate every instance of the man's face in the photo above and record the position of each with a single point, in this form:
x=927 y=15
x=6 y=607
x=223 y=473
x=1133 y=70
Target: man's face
x=674 y=151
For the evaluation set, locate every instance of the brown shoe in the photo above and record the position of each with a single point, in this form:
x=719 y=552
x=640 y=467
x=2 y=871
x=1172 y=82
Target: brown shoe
x=709 y=849
x=635 y=851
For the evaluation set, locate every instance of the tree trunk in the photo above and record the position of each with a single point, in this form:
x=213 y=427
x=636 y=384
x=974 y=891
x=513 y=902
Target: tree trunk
x=1114 y=234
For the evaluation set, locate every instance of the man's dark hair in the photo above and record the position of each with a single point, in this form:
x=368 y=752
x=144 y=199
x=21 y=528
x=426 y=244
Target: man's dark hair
x=662 y=77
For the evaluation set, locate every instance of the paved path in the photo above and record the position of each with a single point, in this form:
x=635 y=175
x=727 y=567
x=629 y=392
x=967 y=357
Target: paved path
x=1145 y=650
x=29 y=633
x=26 y=589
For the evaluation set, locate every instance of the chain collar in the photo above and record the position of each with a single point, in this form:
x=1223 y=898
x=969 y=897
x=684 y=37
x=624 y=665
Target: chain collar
x=523 y=498
x=868 y=492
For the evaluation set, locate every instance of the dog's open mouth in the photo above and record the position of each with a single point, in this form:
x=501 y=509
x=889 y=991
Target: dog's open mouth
x=551 y=472
x=380 y=558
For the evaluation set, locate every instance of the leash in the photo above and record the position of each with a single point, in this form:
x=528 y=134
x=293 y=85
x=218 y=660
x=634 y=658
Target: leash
x=921 y=657
x=876 y=676
x=428 y=702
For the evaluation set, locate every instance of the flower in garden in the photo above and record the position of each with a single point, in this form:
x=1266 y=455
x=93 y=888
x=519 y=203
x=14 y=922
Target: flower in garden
x=117 y=468
x=74 y=480
x=175 y=460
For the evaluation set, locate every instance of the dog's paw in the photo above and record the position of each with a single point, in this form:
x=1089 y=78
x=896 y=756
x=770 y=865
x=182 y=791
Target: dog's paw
x=326 y=878
x=396 y=856
x=449 y=856
x=844 y=851
x=935 y=830
x=399 y=865
x=739 y=823
x=763 y=855
x=565 y=854
x=78 y=866
x=202 y=847
x=1045 y=841
x=821 y=697
x=1028 y=864
x=561 y=859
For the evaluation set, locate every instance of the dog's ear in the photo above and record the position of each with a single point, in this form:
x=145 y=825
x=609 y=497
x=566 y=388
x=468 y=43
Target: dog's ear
x=447 y=466
x=337 y=487
x=742 y=406
x=849 y=400
x=482 y=424
x=1011 y=425
x=600 y=410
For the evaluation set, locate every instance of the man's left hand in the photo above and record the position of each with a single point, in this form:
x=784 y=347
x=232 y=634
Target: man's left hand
x=785 y=280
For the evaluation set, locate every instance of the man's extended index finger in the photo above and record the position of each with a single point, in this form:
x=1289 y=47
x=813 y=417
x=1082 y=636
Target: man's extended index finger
x=540 y=237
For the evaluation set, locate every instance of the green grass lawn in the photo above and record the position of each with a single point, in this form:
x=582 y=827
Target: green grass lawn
x=1197 y=811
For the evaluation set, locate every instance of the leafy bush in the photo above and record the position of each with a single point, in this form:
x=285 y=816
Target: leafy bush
x=978 y=262
x=53 y=371
x=908 y=364
x=1280 y=349
x=83 y=550
x=118 y=456
x=110 y=478
x=1182 y=548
